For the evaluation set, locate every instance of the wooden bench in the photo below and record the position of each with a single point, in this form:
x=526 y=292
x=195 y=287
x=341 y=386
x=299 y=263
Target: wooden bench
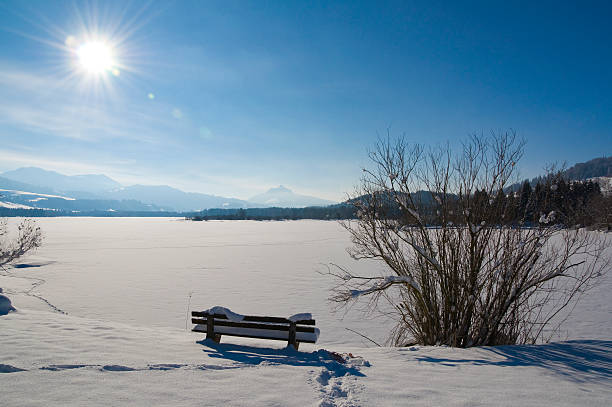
x=282 y=329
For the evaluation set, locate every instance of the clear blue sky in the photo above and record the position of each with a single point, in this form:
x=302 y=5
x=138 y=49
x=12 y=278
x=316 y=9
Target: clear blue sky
x=231 y=98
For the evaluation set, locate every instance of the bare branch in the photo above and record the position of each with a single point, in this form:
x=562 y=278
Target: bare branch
x=464 y=267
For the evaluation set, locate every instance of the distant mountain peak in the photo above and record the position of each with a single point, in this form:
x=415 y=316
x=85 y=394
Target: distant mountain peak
x=282 y=196
x=279 y=189
x=98 y=189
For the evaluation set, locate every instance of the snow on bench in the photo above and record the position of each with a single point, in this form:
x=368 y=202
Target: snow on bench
x=218 y=321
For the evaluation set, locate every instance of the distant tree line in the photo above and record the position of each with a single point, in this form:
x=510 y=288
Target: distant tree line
x=333 y=212
x=553 y=200
x=557 y=200
x=595 y=168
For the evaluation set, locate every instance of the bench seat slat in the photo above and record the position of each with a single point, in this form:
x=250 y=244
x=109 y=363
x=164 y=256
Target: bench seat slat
x=308 y=337
x=253 y=325
x=254 y=318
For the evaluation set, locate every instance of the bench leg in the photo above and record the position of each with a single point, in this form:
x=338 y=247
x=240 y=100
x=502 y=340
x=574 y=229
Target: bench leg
x=292 y=336
x=210 y=329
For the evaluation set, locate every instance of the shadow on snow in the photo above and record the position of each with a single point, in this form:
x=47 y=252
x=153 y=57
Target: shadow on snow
x=251 y=355
x=578 y=360
x=31 y=265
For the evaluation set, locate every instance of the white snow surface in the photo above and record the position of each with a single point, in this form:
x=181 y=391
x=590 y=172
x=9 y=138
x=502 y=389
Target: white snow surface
x=102 y=319
x=385 y=281
x=11 y=205
x=16 y=192
x=300 y=317
x=232 y=316
x=403 y=279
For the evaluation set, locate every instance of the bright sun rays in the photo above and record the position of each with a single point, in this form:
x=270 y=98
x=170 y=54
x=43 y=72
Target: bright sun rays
x=94 y=62
x=93 y=58
x=97 y=50
x=96 y=57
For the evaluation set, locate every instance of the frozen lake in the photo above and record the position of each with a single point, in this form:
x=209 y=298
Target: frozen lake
x=142 y=271
x=149 y=271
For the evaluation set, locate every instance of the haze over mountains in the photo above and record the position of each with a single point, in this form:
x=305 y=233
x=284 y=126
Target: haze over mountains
x=99 y=192
x=36 y=188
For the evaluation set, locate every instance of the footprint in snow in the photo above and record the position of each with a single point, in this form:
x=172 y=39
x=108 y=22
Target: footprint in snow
x=337 y=379
x=117 y=368
x=57 y=368
x=165 y=366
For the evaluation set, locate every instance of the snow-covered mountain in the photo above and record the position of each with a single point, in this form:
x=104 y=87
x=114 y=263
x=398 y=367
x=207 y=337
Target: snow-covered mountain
x=99 y=192
x=175 y=199
x=96 y=184
x=284 y=197
x=103 y=193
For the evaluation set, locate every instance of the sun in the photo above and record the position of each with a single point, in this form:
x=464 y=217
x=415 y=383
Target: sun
x=96 y=57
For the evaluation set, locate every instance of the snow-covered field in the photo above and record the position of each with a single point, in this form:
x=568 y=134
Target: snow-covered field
x=102 y=313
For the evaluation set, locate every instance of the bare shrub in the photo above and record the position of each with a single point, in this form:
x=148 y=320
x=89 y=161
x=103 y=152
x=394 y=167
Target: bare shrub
x=464 y=268
x=28 y=237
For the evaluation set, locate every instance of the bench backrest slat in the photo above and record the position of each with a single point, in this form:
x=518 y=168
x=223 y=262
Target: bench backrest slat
x=254 y=325
x=253 y=318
